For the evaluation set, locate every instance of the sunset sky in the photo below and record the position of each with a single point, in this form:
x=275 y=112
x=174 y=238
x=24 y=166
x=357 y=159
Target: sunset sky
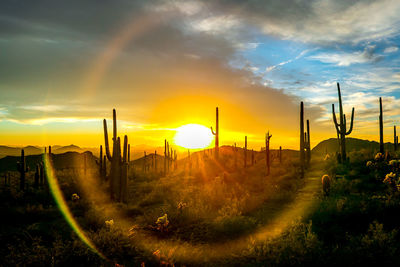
x=64 y=65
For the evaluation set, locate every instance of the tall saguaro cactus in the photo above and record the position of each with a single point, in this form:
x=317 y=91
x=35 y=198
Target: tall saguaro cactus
x=118 y=171
x=395 y=138
x=21 y=166
x=381 y=144
x=267 y=154
x=216 y=133
x=341 y=126
x=245 y=152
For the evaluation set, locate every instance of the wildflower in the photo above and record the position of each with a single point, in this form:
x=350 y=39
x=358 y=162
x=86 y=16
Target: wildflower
x=390 y=178
x=369 y=163
x=162 y=223
x=181 y=206
x=393 y=163
x=379 y=156
x=109 y=223
x=157 y=254
x=75 y=197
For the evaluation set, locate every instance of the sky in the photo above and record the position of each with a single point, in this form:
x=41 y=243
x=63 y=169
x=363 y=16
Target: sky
x=64 y=65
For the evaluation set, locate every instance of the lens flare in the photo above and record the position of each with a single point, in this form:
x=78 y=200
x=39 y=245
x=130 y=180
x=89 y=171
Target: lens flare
x=62 y=205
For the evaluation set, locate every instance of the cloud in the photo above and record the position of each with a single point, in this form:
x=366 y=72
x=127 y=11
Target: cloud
x=347 y=59
x=302 y=53
x=391 y=49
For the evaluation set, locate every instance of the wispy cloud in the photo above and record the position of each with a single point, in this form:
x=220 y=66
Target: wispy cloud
x=302 y=53
x=347 y=59
x=49 y=120
x=391 y=49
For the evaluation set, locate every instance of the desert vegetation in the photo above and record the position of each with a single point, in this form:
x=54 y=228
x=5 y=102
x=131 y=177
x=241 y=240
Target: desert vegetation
x=218 y=207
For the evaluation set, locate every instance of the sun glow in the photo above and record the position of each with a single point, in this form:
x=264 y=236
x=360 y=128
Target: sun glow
x=193 y=136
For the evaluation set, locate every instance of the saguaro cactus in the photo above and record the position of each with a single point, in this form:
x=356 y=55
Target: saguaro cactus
x=165 y=156
x=381 y=144
x=395 y=138
x=118 y=175
x=267 y=155
x=124 y=173
x=216 y=133
x=341 y=126
x=21 y=166
x=245 y=152
x=280 y=155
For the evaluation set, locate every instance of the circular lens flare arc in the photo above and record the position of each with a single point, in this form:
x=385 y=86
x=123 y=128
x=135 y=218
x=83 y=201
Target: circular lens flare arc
x=62 y=205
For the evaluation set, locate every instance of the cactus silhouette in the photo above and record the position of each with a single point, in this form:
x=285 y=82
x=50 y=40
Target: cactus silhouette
x=341 y=126
x=216 y=133
x=118 y=171
x=21 y=166
x=245 y=152
x=395 y=138
x=267 y=155
x=381 y=144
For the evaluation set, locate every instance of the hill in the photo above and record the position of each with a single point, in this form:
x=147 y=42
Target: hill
x=352 y=144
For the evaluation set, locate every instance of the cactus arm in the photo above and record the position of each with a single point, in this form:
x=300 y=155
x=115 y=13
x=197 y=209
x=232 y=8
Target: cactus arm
x=106 y=147
x=114 y=125
x=334 y=119
x=212 y=131
x=340 y=106
x=351 y=123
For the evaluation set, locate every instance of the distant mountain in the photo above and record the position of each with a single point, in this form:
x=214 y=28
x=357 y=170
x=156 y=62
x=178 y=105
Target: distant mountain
x=64 y=149
x=352 y=144
x=16 y=151
x=60 y=161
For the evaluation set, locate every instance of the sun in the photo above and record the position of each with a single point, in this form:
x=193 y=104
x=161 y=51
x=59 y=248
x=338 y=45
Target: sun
x=193 y=136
